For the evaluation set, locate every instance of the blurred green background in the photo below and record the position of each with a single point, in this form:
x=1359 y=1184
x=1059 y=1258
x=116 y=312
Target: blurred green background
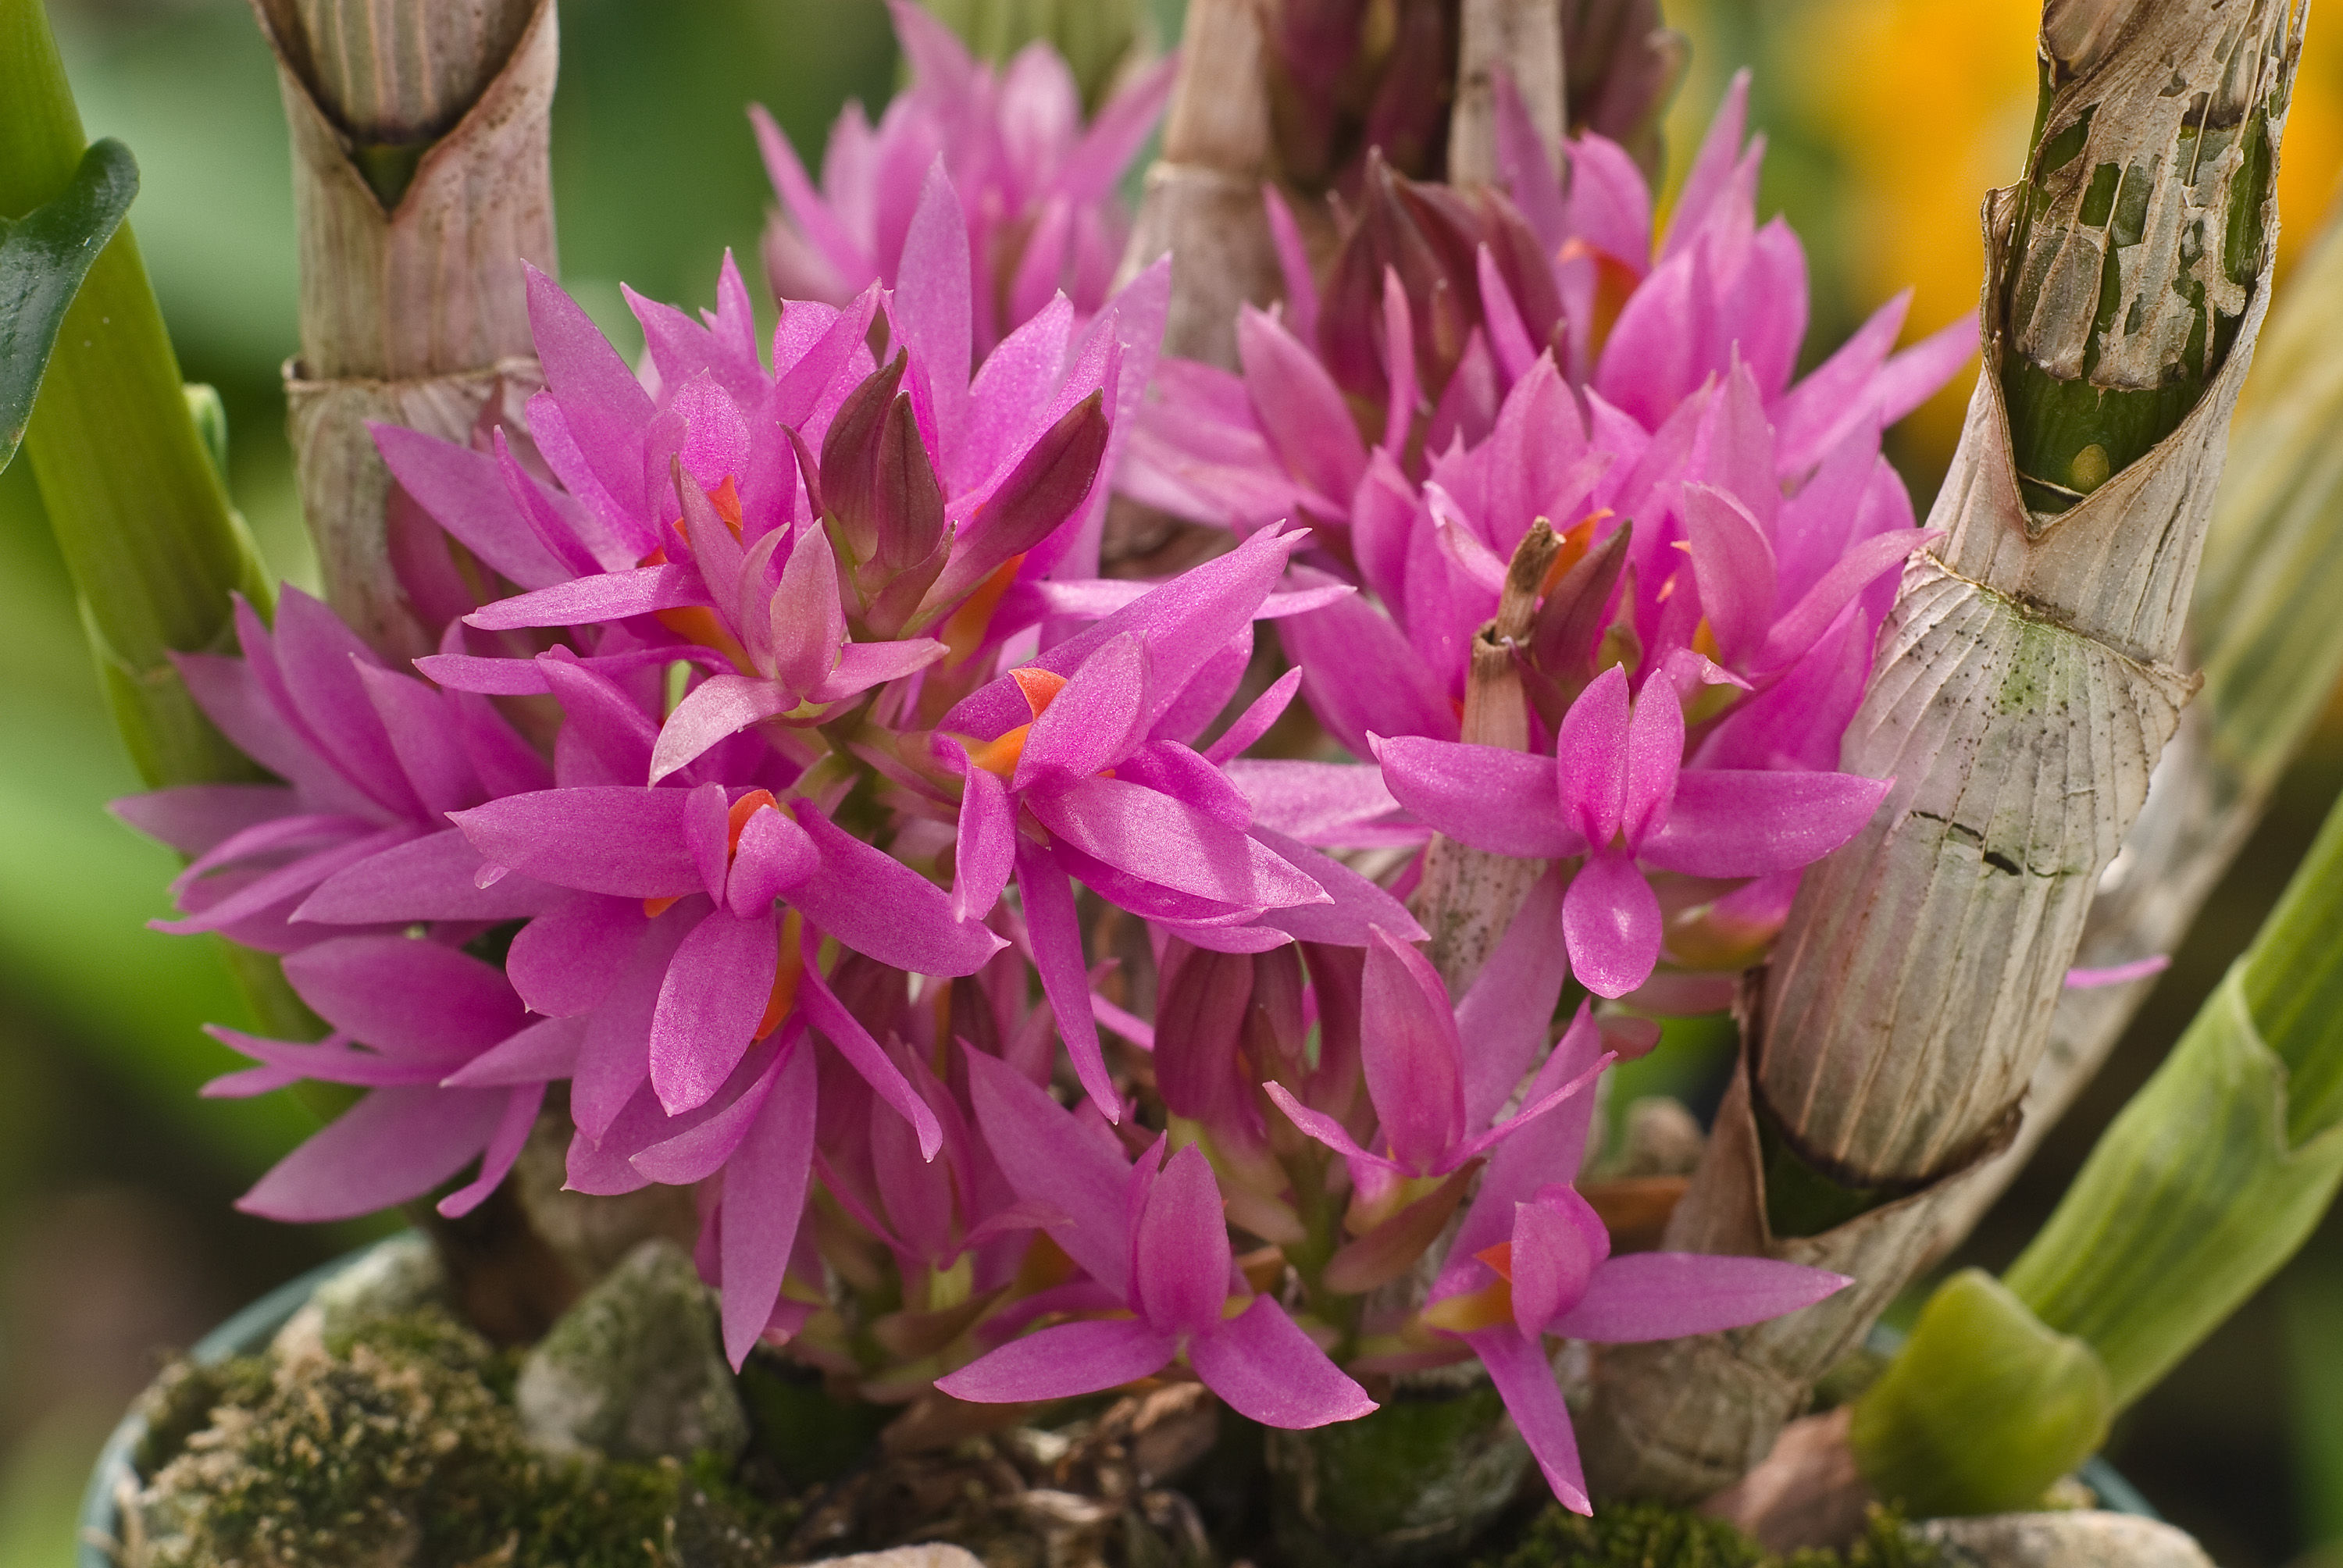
x=1887 y=118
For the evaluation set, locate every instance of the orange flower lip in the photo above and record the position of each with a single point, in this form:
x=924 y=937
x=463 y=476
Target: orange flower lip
x=736 y=822
x=1001 y=754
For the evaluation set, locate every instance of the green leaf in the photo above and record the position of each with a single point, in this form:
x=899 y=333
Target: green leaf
x=44 y=258
x=1983 y=1408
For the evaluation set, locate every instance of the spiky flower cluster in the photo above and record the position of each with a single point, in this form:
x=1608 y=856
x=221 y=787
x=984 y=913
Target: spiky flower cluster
x=795 y=786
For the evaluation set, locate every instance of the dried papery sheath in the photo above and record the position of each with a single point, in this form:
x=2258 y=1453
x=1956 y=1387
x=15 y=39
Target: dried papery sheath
x=2022 y=694
x=1468 y=896
x=2271 y=650
x=1521 y=39
x=421 y=180
x=1203 y=200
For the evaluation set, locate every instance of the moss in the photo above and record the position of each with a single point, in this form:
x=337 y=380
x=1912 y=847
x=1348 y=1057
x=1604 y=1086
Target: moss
x=400 y=1445
x=1649 y=1535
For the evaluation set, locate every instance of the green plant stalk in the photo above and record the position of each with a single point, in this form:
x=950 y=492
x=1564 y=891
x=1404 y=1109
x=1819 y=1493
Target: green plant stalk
x=128 y=478
x=139 y=511
x=2211 y=1177
x=2215 y=1172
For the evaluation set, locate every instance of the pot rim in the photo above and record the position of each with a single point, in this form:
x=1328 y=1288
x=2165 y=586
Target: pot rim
x=247 y=1330
x=252 y=1328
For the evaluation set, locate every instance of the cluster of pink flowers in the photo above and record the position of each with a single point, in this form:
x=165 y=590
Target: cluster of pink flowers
x=755 y=811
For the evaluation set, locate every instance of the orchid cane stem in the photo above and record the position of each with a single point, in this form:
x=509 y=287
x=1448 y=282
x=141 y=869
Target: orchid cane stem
x=2022 y=694
x=1522 y=38
x=422 y=182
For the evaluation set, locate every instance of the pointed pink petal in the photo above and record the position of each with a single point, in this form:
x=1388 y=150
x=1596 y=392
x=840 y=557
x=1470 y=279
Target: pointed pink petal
x=825 y=1012
x=1731 y=823
x=716 y=990
x=1055 y=931
x=434 y=877
x=701 y=1150
x=403 y=996
x=863 y=665
x=1591 y=758
x=1256 y=720
x=774 y=856
x=1533 y=1398
x=1325 y=1129
x=716 y=709
x=1160 y=841
x=1267 y=1370
x=1049 y=1161
x=882 y=908
x=1115 y=134
x=1667 y=1295
x=1092 y=720
x=1506 y=1011
x=1734 y=565
x=393 y=1145
x=1180 y=1250
x=986 y=845
x=505 y=1144
x=1480 y=1143
x=1819 y=606
x=808 y=622
x=1062 y=1362
x=598 y=838
x=1551 y=1149
x=588 y=601
x=1412 y=1057
x=1293 y=264
x=1300 y=408
x=1558 y=1243
x=1357 y=904
x=1655 y=739
x=1484 y=796
x=1712 y=167
x=2117 y=974
x=765 y=1186
x=807 y=209
x=1399 y=365
x=932 y=307
x=543 y=1052
x=1611 y=922
x=1914 y=376
x=465 y=493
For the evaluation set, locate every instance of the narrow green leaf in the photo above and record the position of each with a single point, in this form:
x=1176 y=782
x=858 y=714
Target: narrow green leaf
x=44 y=258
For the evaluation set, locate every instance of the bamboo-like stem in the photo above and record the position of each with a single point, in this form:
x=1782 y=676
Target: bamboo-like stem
x=1468 y=897
x=1202 y=201
x=1524 y=39
x=2263 y=622
x=2022 y=694
x=422 y=183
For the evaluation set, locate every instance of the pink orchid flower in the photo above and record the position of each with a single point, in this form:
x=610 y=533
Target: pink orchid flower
x=1617 y=794
x=1157 y=1243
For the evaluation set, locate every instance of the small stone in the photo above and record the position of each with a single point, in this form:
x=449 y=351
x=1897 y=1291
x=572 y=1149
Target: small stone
x=2082 y=1538
x=1662 y=1139
x=932 y=1555
x=399 y=1276
x=636 y=1369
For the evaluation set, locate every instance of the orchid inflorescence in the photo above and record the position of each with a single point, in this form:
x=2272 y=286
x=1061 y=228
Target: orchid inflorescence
x=793 y=783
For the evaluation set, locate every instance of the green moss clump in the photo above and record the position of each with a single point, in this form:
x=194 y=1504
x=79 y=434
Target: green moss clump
x=400 y=1445
x=1651 y=1536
